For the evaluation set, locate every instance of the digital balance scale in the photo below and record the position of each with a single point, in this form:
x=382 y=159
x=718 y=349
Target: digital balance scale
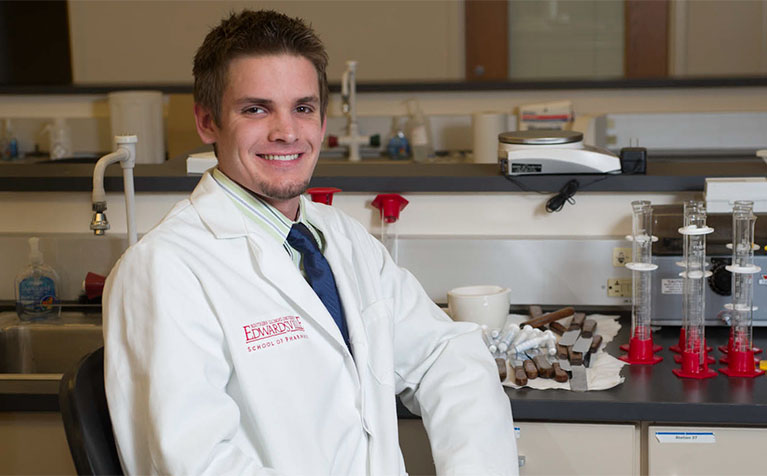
x=552 y=152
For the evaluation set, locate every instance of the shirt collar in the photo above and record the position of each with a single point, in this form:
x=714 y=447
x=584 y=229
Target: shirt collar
x=264 y=215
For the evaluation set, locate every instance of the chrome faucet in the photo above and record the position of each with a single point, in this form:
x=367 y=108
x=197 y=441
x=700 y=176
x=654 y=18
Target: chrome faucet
x=126 y=155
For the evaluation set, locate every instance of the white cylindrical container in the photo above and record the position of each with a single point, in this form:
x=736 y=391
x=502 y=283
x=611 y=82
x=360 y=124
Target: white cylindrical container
x=60 y=139
x=139 y=113
x=486 y=127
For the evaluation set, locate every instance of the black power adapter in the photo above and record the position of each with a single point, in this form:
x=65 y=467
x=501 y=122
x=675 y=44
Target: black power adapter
x=633 y=160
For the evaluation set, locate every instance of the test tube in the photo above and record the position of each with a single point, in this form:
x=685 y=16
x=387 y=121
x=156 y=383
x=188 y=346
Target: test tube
x=694 y=358
x=740 y=357
x=640 y=349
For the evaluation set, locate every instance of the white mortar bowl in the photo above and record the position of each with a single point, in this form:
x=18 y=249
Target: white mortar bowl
x=486 y=305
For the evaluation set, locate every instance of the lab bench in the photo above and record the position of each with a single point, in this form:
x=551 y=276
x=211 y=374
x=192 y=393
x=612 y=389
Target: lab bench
x=613 y=431
x=621 y=430
x=664 y=173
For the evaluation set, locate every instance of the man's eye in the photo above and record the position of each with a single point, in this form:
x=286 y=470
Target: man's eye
x=254 y=110
x=305 y=109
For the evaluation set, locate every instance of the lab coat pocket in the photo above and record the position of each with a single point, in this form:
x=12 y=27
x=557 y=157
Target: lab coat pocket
x=379 y=327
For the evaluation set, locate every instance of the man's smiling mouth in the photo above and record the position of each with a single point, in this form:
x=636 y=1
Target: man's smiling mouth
x=280 y=157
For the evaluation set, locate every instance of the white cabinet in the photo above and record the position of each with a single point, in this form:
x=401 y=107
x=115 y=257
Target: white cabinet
x=693 y=451
x=547 y=448
x=34 y=443
x=578 y=448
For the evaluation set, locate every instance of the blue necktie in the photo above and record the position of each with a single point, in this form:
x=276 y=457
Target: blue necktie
x=319 y=274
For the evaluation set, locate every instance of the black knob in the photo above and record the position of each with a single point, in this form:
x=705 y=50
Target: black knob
x=720 y=280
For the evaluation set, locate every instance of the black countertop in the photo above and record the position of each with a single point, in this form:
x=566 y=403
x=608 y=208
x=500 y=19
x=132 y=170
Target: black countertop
x=663 y=174
x=652 y=393
x=648 y=394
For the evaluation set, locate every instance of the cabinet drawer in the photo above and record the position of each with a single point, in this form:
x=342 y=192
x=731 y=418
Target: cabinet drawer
x=705 y=450
x=578 y=448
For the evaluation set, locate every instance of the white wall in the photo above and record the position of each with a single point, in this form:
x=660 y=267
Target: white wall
x=517 y=221
x=464 y=214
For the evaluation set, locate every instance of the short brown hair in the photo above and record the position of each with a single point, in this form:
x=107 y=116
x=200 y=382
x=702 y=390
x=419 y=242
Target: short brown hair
x=256 y=33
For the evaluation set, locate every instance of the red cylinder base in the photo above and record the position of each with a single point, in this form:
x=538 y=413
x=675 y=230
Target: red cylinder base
x=741 y=364
x=679 y=347
x=692 y=368
x=709 y=359
x=725 y=360
x=655 y=348
x=726 y=349
x=641 y=352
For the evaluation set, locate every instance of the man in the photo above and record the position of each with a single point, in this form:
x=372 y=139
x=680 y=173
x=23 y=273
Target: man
x=231 y=346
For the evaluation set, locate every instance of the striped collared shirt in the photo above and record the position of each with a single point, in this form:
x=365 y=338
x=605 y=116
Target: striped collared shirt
x=266 y=217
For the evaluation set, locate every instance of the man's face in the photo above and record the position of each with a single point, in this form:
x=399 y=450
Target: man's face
x=271 y=129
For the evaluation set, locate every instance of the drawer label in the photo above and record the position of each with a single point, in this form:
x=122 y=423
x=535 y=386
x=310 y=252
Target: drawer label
x=685 y=436
x=671 y=286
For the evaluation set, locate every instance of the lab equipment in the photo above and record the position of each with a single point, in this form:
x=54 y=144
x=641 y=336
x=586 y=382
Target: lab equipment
x=546 y=116
x=482 y=304
x=689 y=208
x=353 y=140
x=126 y=155
x=489 y=341
x=552 y=152
x=420 y=132
x=486 y=127
x=60 y=134
x=139 y=113
x=740 y=354
x=37 y=287
x=668 y=254
x=322 y=194
x=397 y=147
x=390 y=204
x=641 y=348
x=694 y=359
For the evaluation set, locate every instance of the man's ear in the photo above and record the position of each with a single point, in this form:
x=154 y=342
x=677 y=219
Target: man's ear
x=206 y=126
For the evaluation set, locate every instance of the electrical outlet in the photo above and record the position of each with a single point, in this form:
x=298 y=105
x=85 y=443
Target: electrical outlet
x=621 y=256
x=619 y=287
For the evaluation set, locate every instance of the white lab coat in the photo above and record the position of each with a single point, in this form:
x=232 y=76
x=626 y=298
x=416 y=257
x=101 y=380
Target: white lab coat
x=221 y=359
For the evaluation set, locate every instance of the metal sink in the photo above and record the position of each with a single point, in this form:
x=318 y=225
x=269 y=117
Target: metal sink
x=47 y=347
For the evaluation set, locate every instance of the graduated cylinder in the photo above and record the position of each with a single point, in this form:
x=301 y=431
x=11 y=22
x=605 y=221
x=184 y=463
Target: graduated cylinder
x=694 y=359
x=640 y=349
x=740 y=355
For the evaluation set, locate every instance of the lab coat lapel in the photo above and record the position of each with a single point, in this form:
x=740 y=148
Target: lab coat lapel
x=225 y=221
x=276 y=266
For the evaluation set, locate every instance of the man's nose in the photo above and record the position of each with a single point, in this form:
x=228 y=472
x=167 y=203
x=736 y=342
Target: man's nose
x=282 y=129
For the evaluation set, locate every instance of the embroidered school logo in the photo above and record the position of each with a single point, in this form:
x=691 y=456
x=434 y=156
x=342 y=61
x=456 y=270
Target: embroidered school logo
x=265 y=334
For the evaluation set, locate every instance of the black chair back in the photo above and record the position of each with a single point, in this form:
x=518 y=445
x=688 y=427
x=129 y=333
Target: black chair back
x=87 y=424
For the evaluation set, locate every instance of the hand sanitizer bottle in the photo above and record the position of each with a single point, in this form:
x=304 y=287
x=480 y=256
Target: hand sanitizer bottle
x=37 y=287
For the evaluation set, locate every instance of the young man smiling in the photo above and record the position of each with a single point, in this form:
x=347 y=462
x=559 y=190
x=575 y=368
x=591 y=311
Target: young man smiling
x=254 y=332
